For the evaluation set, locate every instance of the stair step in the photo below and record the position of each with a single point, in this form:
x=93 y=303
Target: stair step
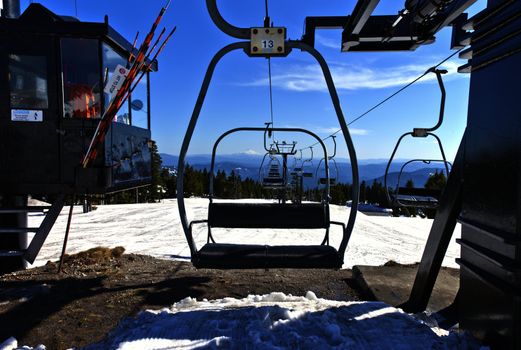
x=31 y=209
x=11 y=253
x=18 y=229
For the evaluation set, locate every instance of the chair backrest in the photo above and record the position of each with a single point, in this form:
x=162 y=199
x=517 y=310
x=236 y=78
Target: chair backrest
x=419 y=191
x=323 y=181
x=268 y=215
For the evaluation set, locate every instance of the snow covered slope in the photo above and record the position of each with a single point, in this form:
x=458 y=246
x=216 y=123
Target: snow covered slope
x=155 y=229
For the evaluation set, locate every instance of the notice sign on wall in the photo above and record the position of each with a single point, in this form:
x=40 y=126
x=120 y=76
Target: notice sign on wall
x=26 y=115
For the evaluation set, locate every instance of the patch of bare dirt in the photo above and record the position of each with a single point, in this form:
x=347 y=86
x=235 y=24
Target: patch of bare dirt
x=99 y=287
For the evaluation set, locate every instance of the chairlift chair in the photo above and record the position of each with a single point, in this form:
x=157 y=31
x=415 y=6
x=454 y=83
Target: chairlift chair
x=271 y=175
x=331 y=159
x=419 y=197
x=266 y=215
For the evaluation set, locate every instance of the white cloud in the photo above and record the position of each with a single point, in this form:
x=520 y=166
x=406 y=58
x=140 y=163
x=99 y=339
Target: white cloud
x=251 y=152
x=353 y=77
x=328 y=42
x=326 y=130
x=359 y=132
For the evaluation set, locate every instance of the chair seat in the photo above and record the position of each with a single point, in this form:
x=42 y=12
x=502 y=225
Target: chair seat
x=416 y=201
x=240 y=256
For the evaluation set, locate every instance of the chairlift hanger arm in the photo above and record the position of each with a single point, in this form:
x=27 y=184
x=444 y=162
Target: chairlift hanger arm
x=423 y=132
x=223 y=25
x=311 y=156
x=334 y=147
x=210 y=196
x=267 y=132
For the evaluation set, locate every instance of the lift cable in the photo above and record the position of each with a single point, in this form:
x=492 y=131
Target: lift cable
x=271 y=91
x=267 y=23
x=389 y=97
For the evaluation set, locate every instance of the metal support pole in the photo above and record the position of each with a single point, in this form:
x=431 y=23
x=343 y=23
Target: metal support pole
x=66 y=238
x=285 y=176
x=439 y=238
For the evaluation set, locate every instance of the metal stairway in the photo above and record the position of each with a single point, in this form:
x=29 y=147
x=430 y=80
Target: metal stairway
x=51 y=214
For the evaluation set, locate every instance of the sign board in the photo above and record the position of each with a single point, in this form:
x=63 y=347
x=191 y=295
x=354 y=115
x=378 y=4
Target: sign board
x=26 y=115
x=116 y=80
x=267 y=41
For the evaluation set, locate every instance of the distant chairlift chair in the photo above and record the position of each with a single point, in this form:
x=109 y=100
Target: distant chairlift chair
x=419 y=197
x=271 y=175
x=333 y=177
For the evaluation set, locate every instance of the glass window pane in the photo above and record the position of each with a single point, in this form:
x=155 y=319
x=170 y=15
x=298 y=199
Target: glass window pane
x=81 y=78
x=139 y=104
x=110 y=60
x=28 y=81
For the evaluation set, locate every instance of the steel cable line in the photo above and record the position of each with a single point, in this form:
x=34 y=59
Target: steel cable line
x=271 y=91
x=388 y=97
x=266 y=23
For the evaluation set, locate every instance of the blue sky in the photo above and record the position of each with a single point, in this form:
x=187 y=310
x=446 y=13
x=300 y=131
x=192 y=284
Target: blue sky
x=238 y=94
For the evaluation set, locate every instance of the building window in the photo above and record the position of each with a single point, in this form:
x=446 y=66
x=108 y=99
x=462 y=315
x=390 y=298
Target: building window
x=28 y=82
x=139 y=104
x=111 y=59
x=81 y=78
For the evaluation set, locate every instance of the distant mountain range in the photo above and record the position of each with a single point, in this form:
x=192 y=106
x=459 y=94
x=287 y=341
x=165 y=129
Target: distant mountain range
x=247 y=165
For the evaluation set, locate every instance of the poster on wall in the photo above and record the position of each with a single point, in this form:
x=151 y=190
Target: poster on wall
x=26 y=115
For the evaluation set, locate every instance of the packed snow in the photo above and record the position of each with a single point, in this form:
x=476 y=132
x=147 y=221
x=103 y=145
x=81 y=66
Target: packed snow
x=278 y=321
x=155 y=229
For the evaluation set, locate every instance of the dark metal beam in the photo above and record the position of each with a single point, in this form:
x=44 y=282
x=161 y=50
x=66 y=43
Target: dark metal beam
x=311 y=24
x=450 y=13
x=378 y=34
x=370 y=37
x=358 y=19
x=11 y=8
x=365 y=32
x=44 y=229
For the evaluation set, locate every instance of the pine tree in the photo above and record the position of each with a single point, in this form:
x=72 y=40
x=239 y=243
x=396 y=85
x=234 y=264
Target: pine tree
x=436 y=181
x=152 y=193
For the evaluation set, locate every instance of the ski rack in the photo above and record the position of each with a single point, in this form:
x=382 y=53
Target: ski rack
x=245 y=34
